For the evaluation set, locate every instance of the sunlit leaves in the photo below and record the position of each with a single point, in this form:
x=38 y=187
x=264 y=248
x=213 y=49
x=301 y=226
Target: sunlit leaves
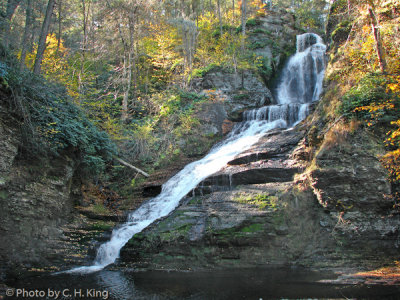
x=375 y=96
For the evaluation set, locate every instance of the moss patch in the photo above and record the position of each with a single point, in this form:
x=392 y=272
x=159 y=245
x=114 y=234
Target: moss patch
x=101 y=226
x=3 y=195
x=262 y=201
x=253 y=228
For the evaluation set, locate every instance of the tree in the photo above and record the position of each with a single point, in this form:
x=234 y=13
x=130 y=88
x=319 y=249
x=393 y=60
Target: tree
x=219 y=15
x=377 y=38
x=43 y=36
x=10 y=10
x=27 y=30
x=243 y=9
x=59 y=23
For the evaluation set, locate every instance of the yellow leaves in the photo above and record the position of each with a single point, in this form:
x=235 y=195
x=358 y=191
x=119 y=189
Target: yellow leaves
x=366 y=29
x=394 y=87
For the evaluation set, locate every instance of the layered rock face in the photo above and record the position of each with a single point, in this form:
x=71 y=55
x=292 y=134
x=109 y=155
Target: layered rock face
x=272 y=206
x=242 y=216
x=352 y=187
x=36 y=200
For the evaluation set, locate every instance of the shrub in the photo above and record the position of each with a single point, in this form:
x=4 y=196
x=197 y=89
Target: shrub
x=370 y=89
x=203 y=71
x=51 y=123
x=265 y=69
x=253 y=22
x=341 y=31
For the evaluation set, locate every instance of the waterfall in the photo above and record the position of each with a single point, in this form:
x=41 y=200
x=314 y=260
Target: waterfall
x=301 y=84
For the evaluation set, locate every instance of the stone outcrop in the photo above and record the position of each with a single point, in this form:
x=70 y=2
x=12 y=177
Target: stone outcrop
x=349 y=176
x=238 y=91
x=40 y=227
x=36 y=200
x=326 y=210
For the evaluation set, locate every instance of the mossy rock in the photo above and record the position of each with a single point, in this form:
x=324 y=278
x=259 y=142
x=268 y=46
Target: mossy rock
x=341 y=32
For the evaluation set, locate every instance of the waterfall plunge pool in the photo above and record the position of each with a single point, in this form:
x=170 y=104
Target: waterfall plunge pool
x=256 y=283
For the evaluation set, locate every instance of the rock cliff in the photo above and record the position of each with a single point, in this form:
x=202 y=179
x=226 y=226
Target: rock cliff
x=40 y=226
x=36 y=199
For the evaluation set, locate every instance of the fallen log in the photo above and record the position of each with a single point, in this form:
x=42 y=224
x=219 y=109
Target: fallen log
x=132 y=167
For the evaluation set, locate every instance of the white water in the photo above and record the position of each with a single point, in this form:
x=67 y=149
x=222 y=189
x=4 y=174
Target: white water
x=289 y=111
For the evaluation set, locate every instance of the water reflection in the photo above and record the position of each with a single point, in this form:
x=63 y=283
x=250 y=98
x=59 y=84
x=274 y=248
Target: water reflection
x=265 y=283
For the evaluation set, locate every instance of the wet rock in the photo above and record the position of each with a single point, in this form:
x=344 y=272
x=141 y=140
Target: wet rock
x=151 y=190
x=264 y=175
x=275 y=144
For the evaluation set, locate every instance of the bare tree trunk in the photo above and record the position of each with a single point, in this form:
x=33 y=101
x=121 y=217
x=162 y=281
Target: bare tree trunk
x=377 y=38
x=243 y=9
x=59 y=25
x=128 y=78
x=219 y=16
x=43 y=37
x=348 y=7
x=10 y=10
x=129 y=65
x=85 y=14
x=27 y=30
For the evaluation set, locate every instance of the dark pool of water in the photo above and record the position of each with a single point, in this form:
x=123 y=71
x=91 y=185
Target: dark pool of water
x=238 y=284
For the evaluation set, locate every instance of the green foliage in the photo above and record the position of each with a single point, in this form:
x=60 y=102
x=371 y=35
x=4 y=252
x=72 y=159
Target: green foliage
x=241 y=96
x=253 y=228
x=341 y=31
x=253 y=22
x=310 y=18
x=100 y=209
x=370 y=89
x=264 y=68
x=260 y=30
x=171 y=132
x=3 y=195
x=262 y=201
x=101 y=226
x=53 y=123
x=217 y=32
x=180 y=102
x=339 y=6
x=203 y=71
x=259 y=44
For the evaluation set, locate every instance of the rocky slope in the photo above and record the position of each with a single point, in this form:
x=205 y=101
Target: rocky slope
x=273 y=39
x=280 y=204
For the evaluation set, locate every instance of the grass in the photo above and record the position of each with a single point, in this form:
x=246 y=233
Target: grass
x=261 y=201
x=100 y=209
x=101 y=226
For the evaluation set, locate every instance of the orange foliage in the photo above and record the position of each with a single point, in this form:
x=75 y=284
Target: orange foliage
x=360 y=59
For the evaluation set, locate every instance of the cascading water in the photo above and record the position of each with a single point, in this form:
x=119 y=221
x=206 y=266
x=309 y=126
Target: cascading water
x=301 y=84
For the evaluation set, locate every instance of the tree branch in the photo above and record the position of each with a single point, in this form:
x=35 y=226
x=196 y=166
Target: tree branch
x=132 y=167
